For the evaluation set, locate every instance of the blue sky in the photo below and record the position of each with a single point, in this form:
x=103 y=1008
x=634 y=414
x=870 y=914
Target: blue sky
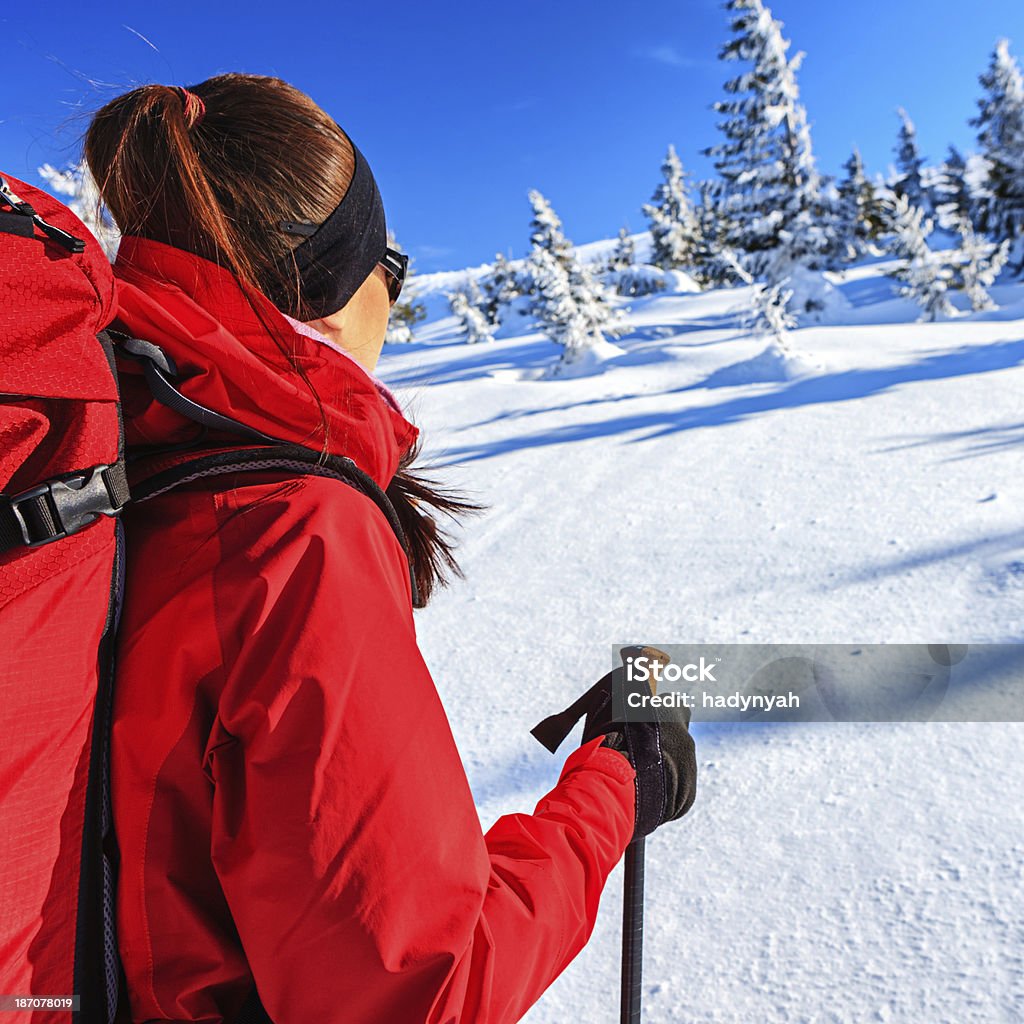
x=463 y=107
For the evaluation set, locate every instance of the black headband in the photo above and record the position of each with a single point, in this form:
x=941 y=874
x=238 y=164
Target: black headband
x=340 y=254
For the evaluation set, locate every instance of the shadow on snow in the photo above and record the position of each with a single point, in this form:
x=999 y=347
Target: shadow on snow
x=843 y=386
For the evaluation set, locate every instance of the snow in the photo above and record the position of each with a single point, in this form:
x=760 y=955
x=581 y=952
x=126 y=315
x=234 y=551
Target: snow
x=776 y=362
x=828 y=872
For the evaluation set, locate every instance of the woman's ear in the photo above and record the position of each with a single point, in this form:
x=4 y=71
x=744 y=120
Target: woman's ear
x=360 y=325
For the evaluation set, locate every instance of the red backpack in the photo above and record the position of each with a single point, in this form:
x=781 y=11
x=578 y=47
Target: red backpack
x=62 y=482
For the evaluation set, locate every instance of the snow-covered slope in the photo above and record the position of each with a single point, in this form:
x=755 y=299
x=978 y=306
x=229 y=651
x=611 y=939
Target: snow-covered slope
x=692 y=492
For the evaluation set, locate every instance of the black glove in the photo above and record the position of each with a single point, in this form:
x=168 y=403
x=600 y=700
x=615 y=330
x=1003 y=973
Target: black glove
x=661 y=752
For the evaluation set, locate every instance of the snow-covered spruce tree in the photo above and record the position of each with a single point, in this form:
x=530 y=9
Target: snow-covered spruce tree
x=553 y=304
x=546 y=230
x=924 y=274
x=500 y=287
x=624 y=254
x=465 y=304
x=406 y=312
x=859 y=219
x=999 y=207
x=708 y=267
x=951 y=195
x=769 y=317
x=639 y=279
x=769 y=191
x=572 y=306
x=909 y=162
x=979 y=266
x=79 y=192
x=626 y=275
x=674 y=229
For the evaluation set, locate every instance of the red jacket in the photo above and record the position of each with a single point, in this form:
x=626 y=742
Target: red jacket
x=289 y=803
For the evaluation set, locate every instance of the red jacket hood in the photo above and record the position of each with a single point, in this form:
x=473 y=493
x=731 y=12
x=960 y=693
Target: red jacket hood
x=228 y=361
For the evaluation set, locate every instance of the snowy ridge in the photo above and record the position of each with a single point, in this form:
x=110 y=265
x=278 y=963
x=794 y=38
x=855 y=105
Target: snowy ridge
x=839 y=872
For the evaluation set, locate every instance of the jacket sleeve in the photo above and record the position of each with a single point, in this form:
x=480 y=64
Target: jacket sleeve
x=345 y=835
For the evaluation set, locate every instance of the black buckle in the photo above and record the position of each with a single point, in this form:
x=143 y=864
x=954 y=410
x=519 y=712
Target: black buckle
x=69 y=504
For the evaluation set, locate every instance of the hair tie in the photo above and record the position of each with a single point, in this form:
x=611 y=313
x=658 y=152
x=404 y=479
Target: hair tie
x=194 y=107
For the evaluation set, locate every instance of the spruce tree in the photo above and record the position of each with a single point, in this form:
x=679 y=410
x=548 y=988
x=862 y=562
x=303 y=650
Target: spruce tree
x=769 y=316
x=500 y=288
x=465 y=304
x=546 y=230
x=770 y=187
x=709 y=267
x=854 y=203
x=638 y=280
x=924 y=274
x=979 y=266
x=573 y=307
x=624 y=254
x=999 y=209
x=626 y=275
x=673 y=224
x=406 y=312
x=951 y=195
x=909 y=162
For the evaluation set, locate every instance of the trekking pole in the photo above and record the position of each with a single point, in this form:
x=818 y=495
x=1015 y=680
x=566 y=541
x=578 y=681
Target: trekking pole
x=633 y=894
x=632 y=932
x=551 y=731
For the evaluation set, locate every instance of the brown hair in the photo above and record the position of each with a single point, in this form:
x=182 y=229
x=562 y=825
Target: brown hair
x=216 y=178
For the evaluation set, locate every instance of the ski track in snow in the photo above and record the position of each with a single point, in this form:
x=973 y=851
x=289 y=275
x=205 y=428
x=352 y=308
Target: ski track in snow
x=828 y=872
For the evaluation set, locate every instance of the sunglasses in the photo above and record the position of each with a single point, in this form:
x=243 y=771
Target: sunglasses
x=396 y=265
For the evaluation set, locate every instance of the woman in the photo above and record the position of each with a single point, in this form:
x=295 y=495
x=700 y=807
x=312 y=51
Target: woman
x=290 y=807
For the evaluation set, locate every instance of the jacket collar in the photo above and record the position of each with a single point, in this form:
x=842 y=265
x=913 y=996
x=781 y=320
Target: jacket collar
x=227 y=359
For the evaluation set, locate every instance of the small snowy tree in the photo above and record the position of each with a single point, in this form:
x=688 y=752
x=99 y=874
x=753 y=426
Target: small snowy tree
x=83 y=199
x=406 y=312
x=769 y=317
x=999 y=209
x=626 y=275
x=709 y=267
x=980 y=264
x=553 y=305
x=624 y=254
x=574 y=309
x=925 y=275
x=500 y=287
x=595 y=301
x=908 y=164
x=546 y=230
x=857 y=217
x=638 y=280
x=674 y=228
x=951 y=195
x=769 y=191
x=465 y=304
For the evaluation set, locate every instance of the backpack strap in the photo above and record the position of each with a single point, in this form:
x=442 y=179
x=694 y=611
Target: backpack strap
x=292 y=458
x=23 y=220
x=162 y=376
